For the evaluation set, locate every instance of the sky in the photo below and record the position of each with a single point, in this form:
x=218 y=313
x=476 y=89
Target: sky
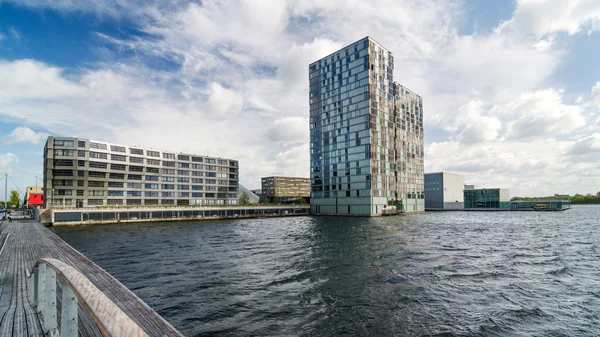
x=511 y=90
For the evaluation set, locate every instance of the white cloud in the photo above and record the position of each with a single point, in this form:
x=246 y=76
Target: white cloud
x=242 y=88
x=23 y=134
x=542 y=114
x=289 y=129
x=7 y=160
x=541 y=17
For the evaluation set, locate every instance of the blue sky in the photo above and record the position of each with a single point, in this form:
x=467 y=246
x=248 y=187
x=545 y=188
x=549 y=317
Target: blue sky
x=511 y=88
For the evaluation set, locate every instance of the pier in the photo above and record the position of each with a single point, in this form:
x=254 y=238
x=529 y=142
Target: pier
x=47 y=288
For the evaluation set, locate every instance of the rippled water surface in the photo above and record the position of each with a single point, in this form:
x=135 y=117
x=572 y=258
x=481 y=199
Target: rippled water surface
x=442 y=274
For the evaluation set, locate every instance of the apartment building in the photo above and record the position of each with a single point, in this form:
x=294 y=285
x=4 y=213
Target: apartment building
x=366 y=134
x=86 y=173
x=285 y=189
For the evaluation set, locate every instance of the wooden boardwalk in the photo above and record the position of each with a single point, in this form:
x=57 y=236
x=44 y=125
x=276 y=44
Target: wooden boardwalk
x=22 y=243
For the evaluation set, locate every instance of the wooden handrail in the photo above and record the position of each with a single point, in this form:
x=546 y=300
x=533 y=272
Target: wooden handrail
x=110 y=319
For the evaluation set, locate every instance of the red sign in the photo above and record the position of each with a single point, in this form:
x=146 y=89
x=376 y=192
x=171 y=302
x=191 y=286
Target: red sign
x=36 y=199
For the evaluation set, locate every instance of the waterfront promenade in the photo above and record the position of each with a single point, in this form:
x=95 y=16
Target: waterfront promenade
x=22 y=244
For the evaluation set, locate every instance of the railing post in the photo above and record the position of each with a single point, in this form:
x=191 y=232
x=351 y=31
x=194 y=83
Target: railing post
x=41 y=287
x=68 y=315
x=30 y=285
x=49 y=313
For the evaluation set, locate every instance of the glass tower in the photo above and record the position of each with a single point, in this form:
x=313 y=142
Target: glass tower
x=366 y=134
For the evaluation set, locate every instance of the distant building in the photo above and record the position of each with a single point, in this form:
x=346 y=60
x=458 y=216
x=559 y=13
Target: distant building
x=366 y=134
x=485 y=197
x=252 y=197
x=444 y=190
x=257 y=192
x=85 y=173
x=470 y=187
x=33 y=196
x=285 y=189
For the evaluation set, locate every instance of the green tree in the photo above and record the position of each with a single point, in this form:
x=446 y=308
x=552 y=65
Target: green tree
x=244 y=199
x=275 y=200
x=14 y=198
x=262 y=200
x=302 y=201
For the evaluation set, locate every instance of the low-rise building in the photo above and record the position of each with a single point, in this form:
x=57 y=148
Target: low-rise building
x=85 y=173
x=33 y=196
x=485 y=197
x=285 y=189
x=444 y=190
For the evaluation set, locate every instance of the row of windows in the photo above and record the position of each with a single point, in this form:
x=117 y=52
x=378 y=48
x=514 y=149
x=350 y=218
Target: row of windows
x=101 y=193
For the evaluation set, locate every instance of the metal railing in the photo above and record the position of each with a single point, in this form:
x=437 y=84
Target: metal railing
x=76 y=292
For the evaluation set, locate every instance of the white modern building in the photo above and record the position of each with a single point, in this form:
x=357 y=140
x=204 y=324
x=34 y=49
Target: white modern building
x=85 y=173
x=444 y=190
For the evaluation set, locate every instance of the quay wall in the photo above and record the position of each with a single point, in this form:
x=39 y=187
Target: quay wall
x=79 y=216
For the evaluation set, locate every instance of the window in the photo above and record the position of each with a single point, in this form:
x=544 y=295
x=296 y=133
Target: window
x=197 y=194
x=197 y=166
x=115 y=184
x=211 y=167
x=134 y=193
x=81 y=173
x=223 y=162
x=93 y=183
x=97 y=164
x=68 y=143
x=152 y=170
x=63 y=192
x=197 y=174
x=183 y=194
x=80 y=193
x=183 y=187
x=151 y=178
x=63 y=152
x=95 y=193
x=168 y=179
x=183 y=157
x=153 y=153
x=211 y=174
x=134 y=177
x=211 y=188
x=183 y=180
x=168 y=186
x=197 y=181
x=136 y=151
x=211 y=181
x=116 y=176
x=97 y=146
x=183 y=172
x=153 y=162
x=80 y=183
x=150 y=194
x=168 y=156
x=136 y=160
x=118 y=157
x=136 y=168
x=80 y=153
x=197 y=159
x=183 y=165
x=63 y=162
x=115 y=148
x=197 y=188
x=95 y=174
x=134 y=185
x=119 y=167
x=151 y=186
x=115 y=193
x=81 y=143
x=169 y=163
x=62 y=182
x=168 y=171
x=211 y=161
x=98 y=155
x=210 y=195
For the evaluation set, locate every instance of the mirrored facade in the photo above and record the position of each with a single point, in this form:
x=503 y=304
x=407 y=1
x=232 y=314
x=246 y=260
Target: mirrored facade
x=366 y=134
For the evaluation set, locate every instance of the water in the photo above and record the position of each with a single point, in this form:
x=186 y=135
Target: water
x=440 y=274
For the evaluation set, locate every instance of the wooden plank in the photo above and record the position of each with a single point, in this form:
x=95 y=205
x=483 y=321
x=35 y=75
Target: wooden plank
x=26 y=241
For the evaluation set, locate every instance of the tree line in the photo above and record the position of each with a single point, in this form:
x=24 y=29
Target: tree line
x=13 y=200
x=577 y=199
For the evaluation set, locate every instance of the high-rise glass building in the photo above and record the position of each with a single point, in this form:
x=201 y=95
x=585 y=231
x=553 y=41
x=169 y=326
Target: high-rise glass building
x=366 y=134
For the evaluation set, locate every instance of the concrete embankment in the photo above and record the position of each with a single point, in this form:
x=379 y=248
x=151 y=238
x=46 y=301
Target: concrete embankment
x=78 y=216
x=495 y=210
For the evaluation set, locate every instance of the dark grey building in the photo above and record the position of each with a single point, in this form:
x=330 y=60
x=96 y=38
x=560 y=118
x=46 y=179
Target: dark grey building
x=81 y=173
x=366 y=134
